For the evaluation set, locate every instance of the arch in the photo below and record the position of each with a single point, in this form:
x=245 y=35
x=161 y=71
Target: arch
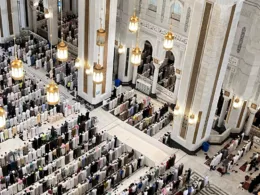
x=176 y=10
x=151 y=40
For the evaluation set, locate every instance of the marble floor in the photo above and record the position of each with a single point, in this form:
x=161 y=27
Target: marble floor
x=150 y=146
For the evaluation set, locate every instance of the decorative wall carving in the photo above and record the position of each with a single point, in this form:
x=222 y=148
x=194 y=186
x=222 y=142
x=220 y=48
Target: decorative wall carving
x=162 y=31
x=232 y=61
x=163 y=10
x=140 y=6
x=187 y=21
x=241 y=39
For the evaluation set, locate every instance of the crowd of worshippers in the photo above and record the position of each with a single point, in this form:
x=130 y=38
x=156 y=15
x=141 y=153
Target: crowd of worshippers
x=37 y=53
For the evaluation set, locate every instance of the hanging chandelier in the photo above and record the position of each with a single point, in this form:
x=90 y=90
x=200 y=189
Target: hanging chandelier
x=2 y=118
x=77 y=63
x=133 y=24
x=121 y=49
x=17 y=67
x=53 y=95
x=101 y=35
x=136 y=53
x=168 y=40
x=98 y=73
x=62 y=48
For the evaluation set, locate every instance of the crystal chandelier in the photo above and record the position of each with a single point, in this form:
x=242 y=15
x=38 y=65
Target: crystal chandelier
x=17 y=67
x=47 y=14
x=136 y=53
x=53 y=95
x=168 y=40
x=133 y=24
x=98 y=73
x=62 y=48
x=2 y=118
x=101 y=35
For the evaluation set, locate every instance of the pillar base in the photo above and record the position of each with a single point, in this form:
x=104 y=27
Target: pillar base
x=133 y=85
x=129 y=83
x=153 y=95
x=174 y=144
x=246 y=137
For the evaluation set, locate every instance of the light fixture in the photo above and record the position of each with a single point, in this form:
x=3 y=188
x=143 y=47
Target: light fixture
x=121 y=49
x=88 y=68
x=192 y=119
x=53 y=95
x=168 y=40
x=62 y=48
x=2 y=118
x=133 y=24
x=77 y=63
x=101 y=35
x=47 y=14
x=98 y=73
x=136 y=53
x=236 y=103
x=176 y=111
x=17 y=67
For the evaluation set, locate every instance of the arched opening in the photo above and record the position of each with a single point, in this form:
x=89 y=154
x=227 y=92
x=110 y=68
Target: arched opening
x=176 y=10
x=147 y=68
x=152 y=6
x=257 y=119
x=167 y=77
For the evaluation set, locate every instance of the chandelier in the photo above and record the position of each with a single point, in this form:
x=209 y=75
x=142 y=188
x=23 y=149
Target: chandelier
x=101 y=35
x=136 y=53
x=53 y=95
x=168 y=40
x=2 y=118
x=133 y=24
x=47 y=14
x=98 y=73
x=62 y=48
x=17 y=67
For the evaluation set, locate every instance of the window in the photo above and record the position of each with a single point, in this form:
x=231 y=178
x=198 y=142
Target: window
x=176 y=10
x=152 y=5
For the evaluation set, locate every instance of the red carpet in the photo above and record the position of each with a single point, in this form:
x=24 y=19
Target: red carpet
x=179 y=193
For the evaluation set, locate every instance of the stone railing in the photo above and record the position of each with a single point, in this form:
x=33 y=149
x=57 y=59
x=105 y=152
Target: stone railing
x=219 y=139
x=41 y=22
x=28 y=33
x=159 y=88
x=255 y=131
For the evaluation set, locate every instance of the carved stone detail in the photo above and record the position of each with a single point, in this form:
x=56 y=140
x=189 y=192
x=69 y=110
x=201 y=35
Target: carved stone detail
x=187 y=21
x=241 y=39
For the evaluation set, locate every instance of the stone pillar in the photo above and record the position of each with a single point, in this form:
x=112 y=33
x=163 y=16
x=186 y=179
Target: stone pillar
x=22 y=13
x=89 y=22
x=223 y=111
x=53 y=21
x=134 y=76
x=252 y=112
x=34 y=17
x=155 y=77
x=75 y=7
x=212 y=27
x=177 y=85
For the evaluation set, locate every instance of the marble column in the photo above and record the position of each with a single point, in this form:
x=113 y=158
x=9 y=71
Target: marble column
x=53 y=21
x=22 y=13
x=223 y=111
x=250 y=120
x=34 y=16
x=211 y=36
x=155 y=77
x=177 y=85
x=90 y=12
x=135 y=68
x=75 y=7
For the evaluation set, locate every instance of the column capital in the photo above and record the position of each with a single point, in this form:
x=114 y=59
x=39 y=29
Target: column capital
x=227 y=94
x=156 y=63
